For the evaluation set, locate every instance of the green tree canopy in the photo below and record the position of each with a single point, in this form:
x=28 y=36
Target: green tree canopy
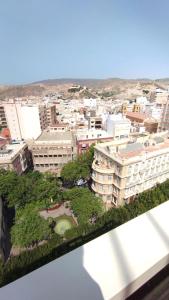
x=29 y=227
x=85 y=204
x=80 y=168
x=30 y=187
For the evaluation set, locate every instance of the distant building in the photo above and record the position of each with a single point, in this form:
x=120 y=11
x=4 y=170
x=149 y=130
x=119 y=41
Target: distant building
x=151 y=125
x=59 y=127
x=74 y=88
x=136 y=107
x=164 y=124
x=118 y=126
x=15 y=157
x=95 y=123
x=85 y=139
x=3 y=122
x=124 y=168
x=90 y=102
x=52 y=150
x=161 y=96
x=136 y=117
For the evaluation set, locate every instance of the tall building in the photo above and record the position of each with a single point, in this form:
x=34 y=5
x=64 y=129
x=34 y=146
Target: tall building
x=123 y=168
x=164 y=124
x=51 y=114
x=3 y=122
x=25 y=121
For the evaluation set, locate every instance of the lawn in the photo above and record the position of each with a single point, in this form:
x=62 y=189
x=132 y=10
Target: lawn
x=63 y=223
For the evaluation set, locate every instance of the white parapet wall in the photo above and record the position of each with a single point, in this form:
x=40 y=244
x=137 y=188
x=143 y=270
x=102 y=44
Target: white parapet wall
x=112 y=266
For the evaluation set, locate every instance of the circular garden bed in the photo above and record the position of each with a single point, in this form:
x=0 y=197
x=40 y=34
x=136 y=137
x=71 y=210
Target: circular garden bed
x=63 y=223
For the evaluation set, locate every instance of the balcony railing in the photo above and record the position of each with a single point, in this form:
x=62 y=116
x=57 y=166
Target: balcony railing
x=102 y=167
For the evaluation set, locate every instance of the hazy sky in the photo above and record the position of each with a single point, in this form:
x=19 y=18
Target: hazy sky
x=41 y=39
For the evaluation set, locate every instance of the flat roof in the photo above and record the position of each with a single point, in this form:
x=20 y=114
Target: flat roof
x=54 y=136
x=125 y=149
x=111 y=266
x=136 y=115
x=10 y=151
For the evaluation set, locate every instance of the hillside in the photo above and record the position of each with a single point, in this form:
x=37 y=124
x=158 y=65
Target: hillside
x=123 y=88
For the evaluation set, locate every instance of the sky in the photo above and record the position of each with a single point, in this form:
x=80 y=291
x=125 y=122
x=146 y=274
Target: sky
x=45 y=39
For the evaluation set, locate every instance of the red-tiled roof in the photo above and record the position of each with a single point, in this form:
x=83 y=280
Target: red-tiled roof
x=136 y=115
x=5 y=133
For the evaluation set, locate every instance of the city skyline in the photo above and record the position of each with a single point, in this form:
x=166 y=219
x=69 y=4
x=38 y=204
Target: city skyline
x=95 y=39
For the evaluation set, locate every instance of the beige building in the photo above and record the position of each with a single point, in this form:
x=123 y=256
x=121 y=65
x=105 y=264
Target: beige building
x=124 y=168
x=52 y=150
x=164 y=123
x=15 y=157
x=51 y=114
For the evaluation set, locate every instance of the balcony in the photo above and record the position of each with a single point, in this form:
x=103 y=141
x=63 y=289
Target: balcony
x=102 y=167
x=101 y=192
x=102 y=181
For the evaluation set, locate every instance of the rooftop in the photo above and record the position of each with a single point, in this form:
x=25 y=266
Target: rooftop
x=128 y=149
x=10 y=151
x=136 y=115
x=54 y=136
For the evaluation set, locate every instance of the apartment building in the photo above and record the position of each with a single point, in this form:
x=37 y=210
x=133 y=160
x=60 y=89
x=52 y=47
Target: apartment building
x=118 y=126
x=15 y=157
x=124 y=168
x=51 y=114
x=25 y=120
x=164 y=124
x=95 y=123
x=3 y=122
x=52 y=150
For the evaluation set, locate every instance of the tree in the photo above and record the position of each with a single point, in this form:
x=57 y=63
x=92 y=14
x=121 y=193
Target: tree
x=8 y=180
x=85 y=205
x=78 y=169
x=29 y=227
x=28 y=188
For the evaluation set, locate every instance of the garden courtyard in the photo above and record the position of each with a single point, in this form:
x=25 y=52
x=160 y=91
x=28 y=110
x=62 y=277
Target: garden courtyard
x=62 y=216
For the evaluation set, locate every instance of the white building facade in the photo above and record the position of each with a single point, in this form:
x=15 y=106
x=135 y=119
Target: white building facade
x=25 y=121
x=118 y=126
